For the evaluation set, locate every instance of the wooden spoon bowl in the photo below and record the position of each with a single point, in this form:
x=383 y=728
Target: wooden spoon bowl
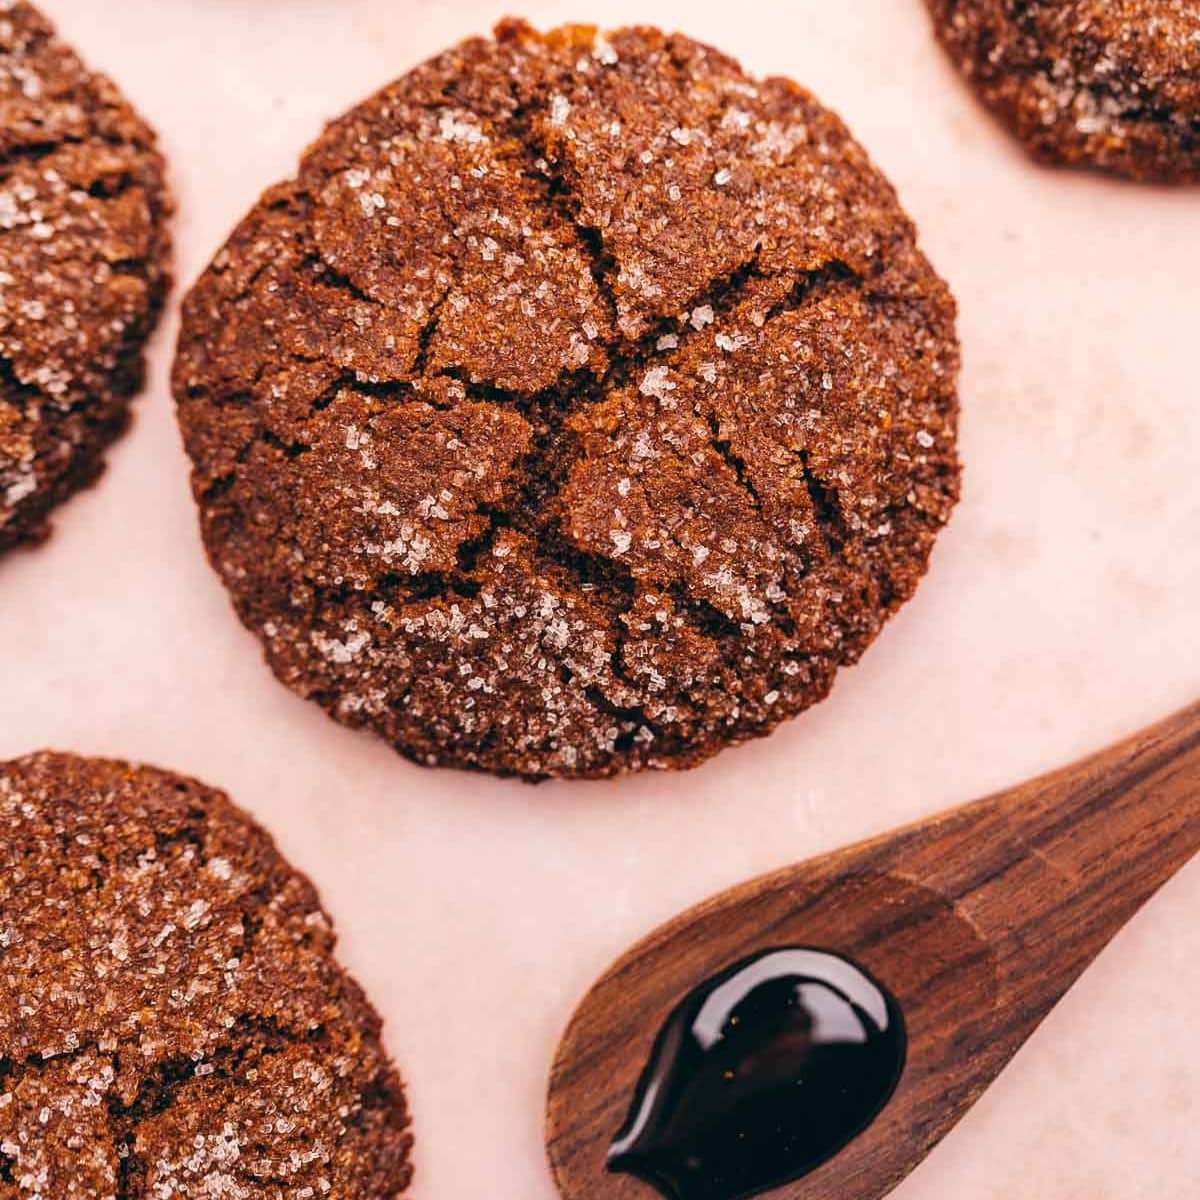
x=977 y=922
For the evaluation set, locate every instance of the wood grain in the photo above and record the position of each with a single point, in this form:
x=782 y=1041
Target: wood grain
x=978 y=922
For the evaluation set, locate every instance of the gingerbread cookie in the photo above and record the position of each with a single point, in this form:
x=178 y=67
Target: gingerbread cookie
x=581 y=406
x=83 y=267
x=1113 y=84
x=172 y=1019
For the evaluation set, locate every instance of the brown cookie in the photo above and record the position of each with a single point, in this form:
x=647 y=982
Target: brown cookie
x=580 y=407
x=172 y=1019
x=83 y=262
x=1113 y=84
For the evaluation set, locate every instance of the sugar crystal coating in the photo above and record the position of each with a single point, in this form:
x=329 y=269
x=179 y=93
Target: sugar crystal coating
x=173 y=1023
x=580 y=406
x=1113 y=84
x=83 y=252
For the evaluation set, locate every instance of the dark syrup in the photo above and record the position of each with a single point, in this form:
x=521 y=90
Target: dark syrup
x=760 y=1075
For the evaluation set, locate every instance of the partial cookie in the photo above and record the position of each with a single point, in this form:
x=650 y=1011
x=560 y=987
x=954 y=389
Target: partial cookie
x=83 y=267
x=1113 y=84
x=172 y=1020
x=580 y=407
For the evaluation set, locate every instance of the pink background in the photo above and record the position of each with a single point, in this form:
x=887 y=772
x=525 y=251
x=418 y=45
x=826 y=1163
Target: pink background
x=1060 y=612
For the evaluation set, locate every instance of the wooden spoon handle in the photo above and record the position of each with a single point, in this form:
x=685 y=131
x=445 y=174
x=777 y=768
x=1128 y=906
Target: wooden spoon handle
x=1054 y=867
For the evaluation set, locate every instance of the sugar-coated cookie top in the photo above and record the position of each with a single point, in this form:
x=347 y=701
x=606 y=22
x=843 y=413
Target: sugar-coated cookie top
x=83 y=258
x=172 y=1019
x=580 y=406
x=1113 y=84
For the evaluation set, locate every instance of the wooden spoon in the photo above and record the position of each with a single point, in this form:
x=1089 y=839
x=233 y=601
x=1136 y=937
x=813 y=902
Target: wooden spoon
x=977 y=922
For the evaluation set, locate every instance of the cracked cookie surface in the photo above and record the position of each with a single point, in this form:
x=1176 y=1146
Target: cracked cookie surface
x=1113 y=84
x=580 y=406
x=172 y=1018
x=83 y=260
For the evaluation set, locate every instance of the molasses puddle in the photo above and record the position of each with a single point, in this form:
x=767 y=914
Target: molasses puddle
x=761 y=1074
